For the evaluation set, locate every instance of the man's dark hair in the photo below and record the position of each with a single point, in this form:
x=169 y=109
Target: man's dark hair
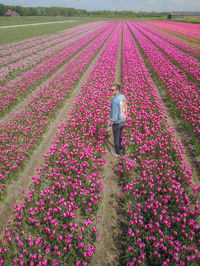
x=117 y=86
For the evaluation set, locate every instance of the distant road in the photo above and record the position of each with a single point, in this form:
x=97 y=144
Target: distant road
x=24 y=25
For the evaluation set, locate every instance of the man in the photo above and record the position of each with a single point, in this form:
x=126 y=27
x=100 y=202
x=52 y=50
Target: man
x=117 y=116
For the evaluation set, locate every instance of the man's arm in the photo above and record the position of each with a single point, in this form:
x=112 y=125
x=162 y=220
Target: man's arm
x=113 y=113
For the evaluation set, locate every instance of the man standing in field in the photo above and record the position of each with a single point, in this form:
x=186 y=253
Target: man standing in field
x=117 y=116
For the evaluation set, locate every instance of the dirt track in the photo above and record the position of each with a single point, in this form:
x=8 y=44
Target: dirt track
x=35 y=24
x=108 y=249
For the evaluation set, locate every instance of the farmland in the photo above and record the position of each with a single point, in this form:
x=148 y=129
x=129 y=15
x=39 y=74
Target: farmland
x=64 y=200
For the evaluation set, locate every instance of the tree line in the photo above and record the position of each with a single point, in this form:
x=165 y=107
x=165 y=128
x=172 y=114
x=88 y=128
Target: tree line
x=67 y=11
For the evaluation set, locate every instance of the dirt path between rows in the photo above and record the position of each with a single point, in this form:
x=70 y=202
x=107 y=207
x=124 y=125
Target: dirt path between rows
x=110 y=216
x=24 y=181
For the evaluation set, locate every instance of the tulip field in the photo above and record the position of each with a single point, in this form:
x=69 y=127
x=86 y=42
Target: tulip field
x=57 y=220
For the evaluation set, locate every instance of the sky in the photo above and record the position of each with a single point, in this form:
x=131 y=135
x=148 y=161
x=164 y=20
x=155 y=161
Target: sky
x=118 y=5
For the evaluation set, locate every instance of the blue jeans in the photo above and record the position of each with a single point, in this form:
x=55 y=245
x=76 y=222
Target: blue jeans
x=117 y=132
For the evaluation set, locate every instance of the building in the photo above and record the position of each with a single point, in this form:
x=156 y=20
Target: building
x=11 y=13
x=179 y=14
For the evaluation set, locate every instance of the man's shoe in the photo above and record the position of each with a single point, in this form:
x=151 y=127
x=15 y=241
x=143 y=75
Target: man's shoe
x=121 y=149
x=114 y=153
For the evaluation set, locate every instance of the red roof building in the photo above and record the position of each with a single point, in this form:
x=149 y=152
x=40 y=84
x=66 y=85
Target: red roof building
x=11 y=13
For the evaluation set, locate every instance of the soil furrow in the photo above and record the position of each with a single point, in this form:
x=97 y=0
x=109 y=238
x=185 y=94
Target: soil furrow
x=110 y=216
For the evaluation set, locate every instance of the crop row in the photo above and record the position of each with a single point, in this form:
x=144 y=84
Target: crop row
x=15 y=89
x=56 y=223
x=25 y=128
x=18 y=52
x=182 y=94
x=161 y=207
x=16 y=68
x=183 y=60
x=176 y=43
x=185 y=29
x=23 y=44
x=47 y=42
x=27 y=43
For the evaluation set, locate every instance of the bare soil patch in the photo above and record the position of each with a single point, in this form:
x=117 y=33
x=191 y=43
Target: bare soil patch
x=110 y=221
x=108 y=248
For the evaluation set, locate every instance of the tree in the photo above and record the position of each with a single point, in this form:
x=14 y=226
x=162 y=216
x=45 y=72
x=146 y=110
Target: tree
x=2 y=10
x=21 y=10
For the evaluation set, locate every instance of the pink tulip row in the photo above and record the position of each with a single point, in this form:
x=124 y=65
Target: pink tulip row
x=15 y=55
x=188 y=29
x=27 y=43
x=25 y=128
x=183 y=95
x=187 y=62
x=162 y=209
x=56 y=223
x=18 y=52
x=7 y=48
x=13 y=91
x=176 y=43
x=14 y=69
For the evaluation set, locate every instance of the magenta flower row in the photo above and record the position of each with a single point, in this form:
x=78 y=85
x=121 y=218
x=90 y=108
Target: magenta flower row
x=162 y=208
x=23 y=129
x=183 y=94
x=27 y=43
x=37 y=53
x=185 y=29
x=12 y=91
x=56 y=225
x=173 y=41
x=187 y=62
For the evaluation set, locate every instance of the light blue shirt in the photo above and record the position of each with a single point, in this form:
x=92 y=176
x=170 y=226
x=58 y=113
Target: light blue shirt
x=116 y=102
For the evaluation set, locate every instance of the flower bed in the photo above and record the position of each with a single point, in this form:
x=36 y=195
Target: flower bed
x=19 y=135
x=56 y=225
x=176 y=43
x=162 y=208
x=182 y=94
x=12 y=52
x=13 y=91
x=190 y=30
x=182 y=60
x=27 y=43
x=45 y=50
